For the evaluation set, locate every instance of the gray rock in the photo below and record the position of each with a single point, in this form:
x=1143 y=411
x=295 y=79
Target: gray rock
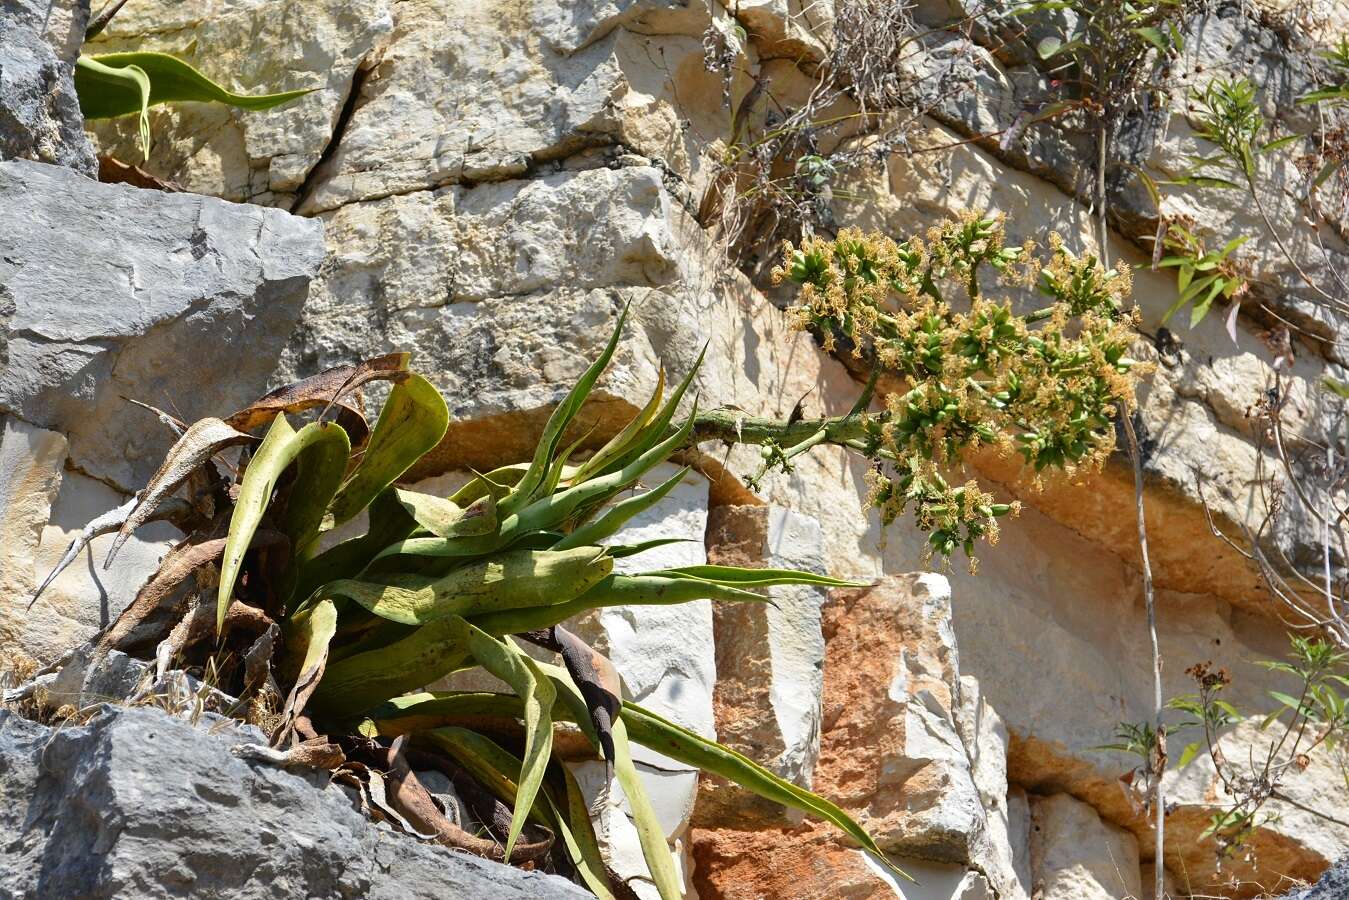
x=1333 y=885
x=39 y=112
x=180 y=301
x=137 y=803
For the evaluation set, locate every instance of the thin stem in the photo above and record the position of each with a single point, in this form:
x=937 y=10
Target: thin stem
x=1159 y=799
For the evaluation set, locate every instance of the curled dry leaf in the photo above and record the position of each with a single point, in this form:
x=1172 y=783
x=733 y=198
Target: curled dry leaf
x=323 y=389
x=421 y=809
x=258 y=659
x=317 y=753
x=594 y=675
x=171 y=510
x=183 y=560
x=200 y=442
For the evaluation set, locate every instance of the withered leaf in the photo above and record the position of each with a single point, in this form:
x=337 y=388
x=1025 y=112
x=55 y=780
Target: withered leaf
x=171 y=510
x=325 y=388
x=200 y=442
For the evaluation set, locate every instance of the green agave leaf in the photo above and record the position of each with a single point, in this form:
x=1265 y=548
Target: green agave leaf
x=619 y=442
x=390 y=522
x=319 y=469
x=278 y=450
x=551 y=511
x=655 y=849
x=308 y=636
x=97 y=83
x=678 y=743
x=619 y=514
x=519 y=578
x=572 y=823
x=445 y=518
x=169 y=78
x=496 y=483
x=363 y=680
x=413 y=421
x=657 y=428
x=619 y=551
x=1339 y=388
x=615 y=590
x=504 y=660
x=526 y=489
x=1336 y=93
x=738 y=577
x=568 y=815
x=488 y=762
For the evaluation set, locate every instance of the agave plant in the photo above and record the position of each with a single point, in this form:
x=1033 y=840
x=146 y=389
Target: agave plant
x=440 y=584
x=121 y=84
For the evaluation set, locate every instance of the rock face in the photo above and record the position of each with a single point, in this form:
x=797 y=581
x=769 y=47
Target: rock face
x=901 y=747
x=109 y=293
x=487 y=185
x=141 y=803
x=120 y=292
x=39 y=111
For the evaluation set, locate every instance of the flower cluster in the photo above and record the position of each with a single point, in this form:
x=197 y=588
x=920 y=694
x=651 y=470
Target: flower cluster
x=1046 y=384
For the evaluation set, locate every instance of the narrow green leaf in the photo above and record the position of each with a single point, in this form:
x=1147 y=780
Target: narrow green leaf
x=655 y=849
x=504 y=660
x=1339 y=388
x=389 y=523
x=319 y=469
x=170 y=79
x=511 y=580
x=363 y=680
x=578 y=834
x=744 y=577
x=97 y=84
x=308 y=636
x=678 y=743
x=615 y=590
x=1189 y=753
x=619 y=442
x=445 y=518
x=529 y=483
x=1280 y=143
x=618 y=515
x=278 y=450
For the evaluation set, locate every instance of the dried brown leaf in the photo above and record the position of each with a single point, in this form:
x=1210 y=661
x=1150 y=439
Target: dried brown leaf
x=323 y=389
x=200 y=442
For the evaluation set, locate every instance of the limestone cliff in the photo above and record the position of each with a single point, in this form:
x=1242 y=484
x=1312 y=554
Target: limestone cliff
x=486 y=183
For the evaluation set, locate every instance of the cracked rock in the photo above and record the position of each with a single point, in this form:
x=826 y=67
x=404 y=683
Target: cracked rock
x=120 y=292
x=39 y=112
x=138 y=803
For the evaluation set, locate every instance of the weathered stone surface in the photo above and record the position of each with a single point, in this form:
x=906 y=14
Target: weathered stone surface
x=86 y=597
x=1054 y=629
x=140 y=803
x=30 y=475
x=42 y=508
x=1076 y=856
x=898 y=756
x=498 y=88
x=250 y=47
x=125 y=292
x=39 y=111
x=809 y=864
x=1332 y=885
x=769 y=660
